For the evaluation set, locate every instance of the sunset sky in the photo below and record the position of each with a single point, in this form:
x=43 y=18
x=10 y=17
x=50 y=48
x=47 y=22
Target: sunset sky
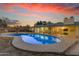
x=30 y=13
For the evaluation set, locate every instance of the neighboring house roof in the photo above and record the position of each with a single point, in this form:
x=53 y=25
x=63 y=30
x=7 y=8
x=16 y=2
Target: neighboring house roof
x=11 y=22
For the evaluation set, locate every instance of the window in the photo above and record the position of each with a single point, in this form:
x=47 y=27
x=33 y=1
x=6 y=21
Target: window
x=65 y=30
x=65 y=33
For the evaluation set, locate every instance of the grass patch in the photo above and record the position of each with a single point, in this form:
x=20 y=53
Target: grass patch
x=5 y=42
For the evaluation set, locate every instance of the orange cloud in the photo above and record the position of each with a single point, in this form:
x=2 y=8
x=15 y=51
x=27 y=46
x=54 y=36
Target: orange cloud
x=53 y=8
x=35 y=15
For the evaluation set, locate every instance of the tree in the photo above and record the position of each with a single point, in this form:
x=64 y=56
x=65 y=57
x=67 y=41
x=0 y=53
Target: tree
x=72 y=17
x=59 y=23
x=27 y=28
x=0 y=22
x=49 y=23
x=76 y=23
x=37 y=23
x=3 y=23
x=40 y=23
x=44 y=23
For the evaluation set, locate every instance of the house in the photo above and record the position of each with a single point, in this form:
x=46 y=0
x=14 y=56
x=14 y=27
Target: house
x=68 y=27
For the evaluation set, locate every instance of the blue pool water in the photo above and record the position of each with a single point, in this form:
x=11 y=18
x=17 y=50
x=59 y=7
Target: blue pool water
x=38 y=38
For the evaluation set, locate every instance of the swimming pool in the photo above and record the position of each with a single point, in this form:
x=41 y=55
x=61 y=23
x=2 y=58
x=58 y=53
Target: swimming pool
x=40 y=39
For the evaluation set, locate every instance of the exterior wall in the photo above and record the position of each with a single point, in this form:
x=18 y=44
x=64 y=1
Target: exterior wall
x=45 y=30
x=72 y=30
x=58 y=30
x=42 y=30
x=37 y=30
x=77 y=31
x=64 y=30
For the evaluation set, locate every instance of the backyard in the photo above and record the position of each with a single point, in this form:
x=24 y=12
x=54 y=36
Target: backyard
x=39 y=29
x=6 y=49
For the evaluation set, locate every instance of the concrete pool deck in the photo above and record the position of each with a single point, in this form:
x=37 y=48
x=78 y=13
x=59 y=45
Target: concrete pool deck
x=59 y=48
x=72 y=49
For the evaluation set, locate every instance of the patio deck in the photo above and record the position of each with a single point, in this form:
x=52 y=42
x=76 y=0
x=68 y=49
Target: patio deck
x=69 y=45
x=59 y=48
x=74 y=50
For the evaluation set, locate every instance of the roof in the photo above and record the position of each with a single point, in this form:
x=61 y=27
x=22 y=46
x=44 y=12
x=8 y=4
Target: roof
x=75 y=24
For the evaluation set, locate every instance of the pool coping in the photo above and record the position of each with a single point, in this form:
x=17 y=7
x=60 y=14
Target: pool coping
x=59 y=48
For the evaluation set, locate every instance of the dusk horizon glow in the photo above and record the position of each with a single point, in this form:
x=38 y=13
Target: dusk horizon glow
x=28 y=13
